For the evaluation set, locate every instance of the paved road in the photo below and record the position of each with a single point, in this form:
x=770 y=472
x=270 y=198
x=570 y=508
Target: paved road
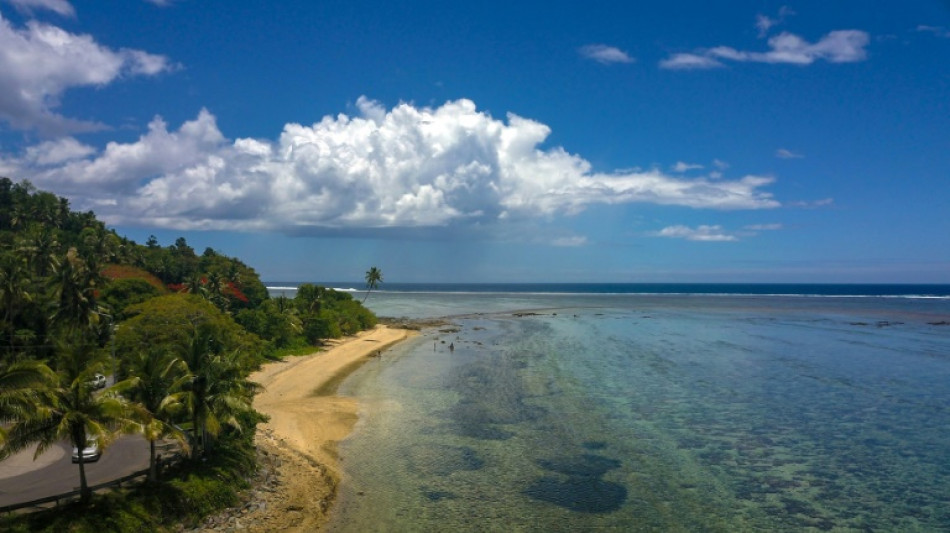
x=126 y=455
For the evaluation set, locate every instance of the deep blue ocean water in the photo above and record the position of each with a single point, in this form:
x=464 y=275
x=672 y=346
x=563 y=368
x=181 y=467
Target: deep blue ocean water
x=790 y=289
x=681 y=408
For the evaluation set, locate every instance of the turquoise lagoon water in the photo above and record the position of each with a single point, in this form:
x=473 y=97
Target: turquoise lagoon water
x=628 y=412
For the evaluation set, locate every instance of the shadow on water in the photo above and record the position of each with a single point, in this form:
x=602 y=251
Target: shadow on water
x=443 y=460
x=491 y=395
x=580 y=487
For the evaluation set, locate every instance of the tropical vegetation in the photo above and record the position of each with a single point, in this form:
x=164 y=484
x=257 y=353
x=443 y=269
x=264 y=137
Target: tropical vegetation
x=178 y=332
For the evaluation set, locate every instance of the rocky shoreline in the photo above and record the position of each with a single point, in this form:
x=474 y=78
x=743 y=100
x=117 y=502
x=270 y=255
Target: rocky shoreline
x=280 y=497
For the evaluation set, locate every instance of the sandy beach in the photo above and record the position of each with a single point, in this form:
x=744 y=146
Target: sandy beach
x=307 y=420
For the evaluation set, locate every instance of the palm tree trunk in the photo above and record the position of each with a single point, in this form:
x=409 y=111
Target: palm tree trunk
x=84 y=493
x=196 y=445
x=152 y=466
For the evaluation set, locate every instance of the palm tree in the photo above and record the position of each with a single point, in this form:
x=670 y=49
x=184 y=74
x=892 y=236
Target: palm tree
x=21 y=386
x=215 y=390
x=310 y=297
x=156 y=373
x=14 y=285
x=40 y=247
x=374 y=277
x=215 y=291
x=74 y=288
x=72 y=411
x=194 y=285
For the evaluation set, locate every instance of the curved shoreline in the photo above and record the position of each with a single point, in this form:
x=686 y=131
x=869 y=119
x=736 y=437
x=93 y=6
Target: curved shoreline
x=307 y=420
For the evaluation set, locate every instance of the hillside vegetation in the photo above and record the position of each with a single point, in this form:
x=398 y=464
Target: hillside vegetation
x=178 y=331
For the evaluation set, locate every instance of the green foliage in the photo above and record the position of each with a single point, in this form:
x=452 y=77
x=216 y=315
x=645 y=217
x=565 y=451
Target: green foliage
x=68 y=408
x=281 y=328
x=329 y=314
x=320 y=326
x=171 y=320
x=122 y=293
x=65 y=281
x=201 y=495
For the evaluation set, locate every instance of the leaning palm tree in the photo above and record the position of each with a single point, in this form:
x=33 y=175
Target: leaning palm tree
x=72 y=411
x=374 y=277
x=155 y=374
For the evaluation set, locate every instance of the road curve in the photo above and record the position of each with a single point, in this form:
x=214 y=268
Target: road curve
x=126 y=455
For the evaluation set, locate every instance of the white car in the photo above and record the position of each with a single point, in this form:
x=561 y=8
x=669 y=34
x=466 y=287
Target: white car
x=98 y=381
x=90 y=453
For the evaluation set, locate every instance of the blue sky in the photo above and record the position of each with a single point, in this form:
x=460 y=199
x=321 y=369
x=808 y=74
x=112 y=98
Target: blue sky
x=497 y=141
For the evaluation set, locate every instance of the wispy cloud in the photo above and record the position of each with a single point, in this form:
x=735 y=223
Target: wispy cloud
x=714 y=233
x=570 y=241
x=764 y=23
x=938 y=31
x=60 y=7
x=763 y=227
x=605 y=54
x=783 y=153
x=813 y=204
x=840 y=46
x=685 y=61
x=40 y=62
x=700 y=233
x=682 y=166
x=405 y=167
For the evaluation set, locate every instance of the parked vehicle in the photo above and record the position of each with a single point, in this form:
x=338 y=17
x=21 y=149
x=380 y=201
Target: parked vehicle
x=90 y=453
x=98 y=381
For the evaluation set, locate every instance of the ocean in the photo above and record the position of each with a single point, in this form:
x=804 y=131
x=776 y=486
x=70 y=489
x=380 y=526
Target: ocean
x=654 y=408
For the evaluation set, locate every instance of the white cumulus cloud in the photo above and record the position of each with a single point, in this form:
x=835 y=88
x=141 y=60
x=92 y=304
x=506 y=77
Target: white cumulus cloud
x=405 y=167
x=57 y=152
x=39 y=62
x=605 y=54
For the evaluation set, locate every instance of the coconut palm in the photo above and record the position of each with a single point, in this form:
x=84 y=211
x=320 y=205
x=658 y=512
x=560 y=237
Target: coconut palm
x=215 y=390
x=156 y=373
x=14 y=286
x=74 y=289
x=71 y=410
x=21 y=386
x=374 y=277
x=40 y=248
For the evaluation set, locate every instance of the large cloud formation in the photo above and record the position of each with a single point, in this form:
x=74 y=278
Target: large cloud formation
x=405 y=167
x=40 y=62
